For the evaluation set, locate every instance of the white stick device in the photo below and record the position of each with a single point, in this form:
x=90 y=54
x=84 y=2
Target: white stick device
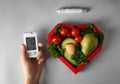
x=65 y=10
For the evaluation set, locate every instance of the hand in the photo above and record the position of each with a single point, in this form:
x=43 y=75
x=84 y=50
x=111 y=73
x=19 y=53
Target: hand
x=32 y=67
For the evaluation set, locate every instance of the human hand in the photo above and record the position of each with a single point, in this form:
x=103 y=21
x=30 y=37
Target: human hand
x=32 y=67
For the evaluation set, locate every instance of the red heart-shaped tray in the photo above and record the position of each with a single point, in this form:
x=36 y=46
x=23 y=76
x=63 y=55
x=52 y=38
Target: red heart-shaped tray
x=89 y=58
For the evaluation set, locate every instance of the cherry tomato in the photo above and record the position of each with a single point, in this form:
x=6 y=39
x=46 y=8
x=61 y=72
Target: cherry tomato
x=78 y=38
x=63 y=31
x=75 y=32
x=56 y=40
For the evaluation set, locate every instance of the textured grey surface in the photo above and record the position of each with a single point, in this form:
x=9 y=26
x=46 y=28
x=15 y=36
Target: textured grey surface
x=18 y=16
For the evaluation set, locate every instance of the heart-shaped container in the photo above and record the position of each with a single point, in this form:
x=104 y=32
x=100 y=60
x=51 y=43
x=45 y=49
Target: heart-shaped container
x=89 y=58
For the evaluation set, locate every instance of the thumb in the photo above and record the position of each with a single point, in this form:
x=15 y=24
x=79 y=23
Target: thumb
x=23 y=53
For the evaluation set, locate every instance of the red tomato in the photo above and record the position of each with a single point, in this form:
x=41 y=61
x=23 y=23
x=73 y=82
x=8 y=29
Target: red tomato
x=63 y=31
x=78 y=38
x=56 y=40
x=75 y=32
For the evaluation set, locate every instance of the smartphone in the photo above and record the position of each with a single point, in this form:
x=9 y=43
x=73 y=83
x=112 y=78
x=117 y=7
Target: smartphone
x=31 y=43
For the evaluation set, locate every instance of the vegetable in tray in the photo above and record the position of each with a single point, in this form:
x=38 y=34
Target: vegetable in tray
x=75 y=44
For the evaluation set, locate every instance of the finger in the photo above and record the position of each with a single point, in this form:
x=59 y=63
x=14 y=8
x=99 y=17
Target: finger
x=40 y=57
x=23 y=53
x=41 y=60
x=40 y=44
x=40 y=54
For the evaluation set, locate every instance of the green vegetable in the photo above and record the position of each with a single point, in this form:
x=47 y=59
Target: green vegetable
x=66 y=55
x=78 y=56
x=67 y=41
x=57 y=30
x=55 y=50
x=89 y=29
x=89 y=44
x=100 y=37
x=60 y=49
x=89 y=26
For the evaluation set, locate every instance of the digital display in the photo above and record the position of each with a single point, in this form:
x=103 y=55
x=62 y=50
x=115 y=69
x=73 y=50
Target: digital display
x=30 y=43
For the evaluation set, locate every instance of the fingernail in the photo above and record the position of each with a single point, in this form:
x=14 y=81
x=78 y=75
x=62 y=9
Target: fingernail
x=40 y=44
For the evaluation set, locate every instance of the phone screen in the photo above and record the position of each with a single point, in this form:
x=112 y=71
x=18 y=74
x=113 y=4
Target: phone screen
x=30 y=43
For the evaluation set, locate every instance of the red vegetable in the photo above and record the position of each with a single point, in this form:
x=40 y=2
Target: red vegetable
x=78 y=38
x=63 y=31
x=56 y=40
x=75 y=32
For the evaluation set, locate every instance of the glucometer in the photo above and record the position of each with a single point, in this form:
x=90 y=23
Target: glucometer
x=30 y=41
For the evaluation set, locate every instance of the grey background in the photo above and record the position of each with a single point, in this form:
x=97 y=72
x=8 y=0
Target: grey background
x=18 y=16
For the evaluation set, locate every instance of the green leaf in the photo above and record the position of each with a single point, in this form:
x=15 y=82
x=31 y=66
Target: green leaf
x=89 y=29
x=53 y=49
x=62 y=51
x=78 y=56
x=57 y=30
x=89 y=26
x=100 y=37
